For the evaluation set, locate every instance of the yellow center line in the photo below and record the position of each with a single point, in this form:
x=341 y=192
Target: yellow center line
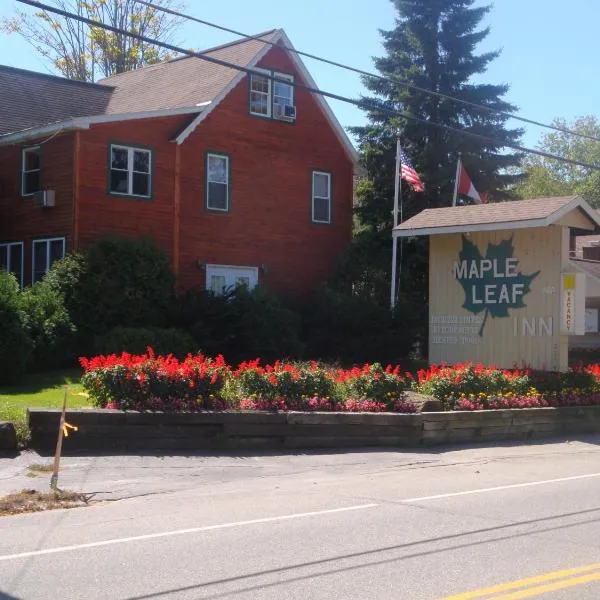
x=522 y=583
x=550 y=587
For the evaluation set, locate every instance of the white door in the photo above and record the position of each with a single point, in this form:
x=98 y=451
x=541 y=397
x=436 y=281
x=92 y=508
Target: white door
x=223 y=278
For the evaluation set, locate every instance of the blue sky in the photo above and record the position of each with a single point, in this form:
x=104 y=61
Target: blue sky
x=549 y=48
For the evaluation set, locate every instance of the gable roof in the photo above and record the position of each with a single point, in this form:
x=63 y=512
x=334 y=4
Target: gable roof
x=29 y=99
x=521 y=214
x=186 y=84
x=182 y=82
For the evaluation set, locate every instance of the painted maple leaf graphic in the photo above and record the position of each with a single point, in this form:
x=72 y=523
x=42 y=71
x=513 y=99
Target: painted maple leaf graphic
x=497 y=285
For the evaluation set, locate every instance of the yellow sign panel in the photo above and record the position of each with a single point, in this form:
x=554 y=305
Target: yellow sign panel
x=569 y=281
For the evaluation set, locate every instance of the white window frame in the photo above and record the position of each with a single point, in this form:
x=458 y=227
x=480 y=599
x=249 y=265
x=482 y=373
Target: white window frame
x=231 y=272
x=130 y=170
x=289 y=78
x=47 y=242
x=24 y=171
x=314 y=197
x=269 y=94
x=227 y=181
x=9 y=250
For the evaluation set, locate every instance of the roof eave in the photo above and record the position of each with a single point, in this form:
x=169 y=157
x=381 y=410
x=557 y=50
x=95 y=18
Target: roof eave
x=86 y=122
x=420 y=231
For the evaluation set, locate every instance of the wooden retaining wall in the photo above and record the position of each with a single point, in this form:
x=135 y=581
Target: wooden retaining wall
x=130 y=431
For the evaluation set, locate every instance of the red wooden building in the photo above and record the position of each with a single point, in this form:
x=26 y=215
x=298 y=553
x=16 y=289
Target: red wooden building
x=240 y=178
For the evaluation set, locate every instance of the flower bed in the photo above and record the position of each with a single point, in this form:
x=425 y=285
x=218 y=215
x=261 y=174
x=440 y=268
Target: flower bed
x=149 y=382
x=164 y=383
x=471 y=386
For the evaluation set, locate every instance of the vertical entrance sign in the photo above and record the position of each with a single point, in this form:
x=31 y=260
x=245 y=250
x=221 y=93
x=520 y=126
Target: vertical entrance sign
x=573 y=303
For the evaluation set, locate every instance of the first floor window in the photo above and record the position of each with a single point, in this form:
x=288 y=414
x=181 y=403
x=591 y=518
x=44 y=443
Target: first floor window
x=45 y=252
x=217 y=182
x=11 y=259
x=31 y=171
x=260 y=94
x=321 y=197
x=130 y=171
x=222 y=278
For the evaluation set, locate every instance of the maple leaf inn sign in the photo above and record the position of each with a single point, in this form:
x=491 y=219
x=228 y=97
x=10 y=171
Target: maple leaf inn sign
x=499 y=290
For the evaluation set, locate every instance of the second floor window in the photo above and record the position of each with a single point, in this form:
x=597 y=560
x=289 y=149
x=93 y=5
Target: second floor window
x=130 y=171
x=31 y=171
x=217 y=182
x=283 y=95
x=321 y=197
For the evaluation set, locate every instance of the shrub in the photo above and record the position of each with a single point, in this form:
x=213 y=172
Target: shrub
x=354 y=329
x=116 y=282
x=135 y=340
x=15 y=346
x=243 y=323
x=48 y=326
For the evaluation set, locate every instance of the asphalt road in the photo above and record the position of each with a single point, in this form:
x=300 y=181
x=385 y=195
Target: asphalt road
x=504 y=522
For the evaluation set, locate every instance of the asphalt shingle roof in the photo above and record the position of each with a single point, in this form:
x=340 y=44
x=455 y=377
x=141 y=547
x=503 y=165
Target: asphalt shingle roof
x=29 y=99
x=484 y=214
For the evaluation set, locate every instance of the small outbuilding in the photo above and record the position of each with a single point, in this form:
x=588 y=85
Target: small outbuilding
x=502 y=289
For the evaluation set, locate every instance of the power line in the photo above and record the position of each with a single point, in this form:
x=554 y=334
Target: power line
x=366 y=105
x=394 y=80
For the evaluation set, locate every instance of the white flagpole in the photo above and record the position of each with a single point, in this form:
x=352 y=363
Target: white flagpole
x=456 y=179
x=394 y=238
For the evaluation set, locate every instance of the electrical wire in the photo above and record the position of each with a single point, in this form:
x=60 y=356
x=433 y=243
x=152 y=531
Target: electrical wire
x=366 y=105
x=393 y=80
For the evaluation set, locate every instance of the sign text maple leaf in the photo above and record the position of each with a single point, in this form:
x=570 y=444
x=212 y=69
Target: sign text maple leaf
x=492 y=283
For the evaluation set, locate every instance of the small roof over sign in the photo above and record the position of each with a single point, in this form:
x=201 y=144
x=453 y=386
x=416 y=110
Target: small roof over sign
x=521 y=214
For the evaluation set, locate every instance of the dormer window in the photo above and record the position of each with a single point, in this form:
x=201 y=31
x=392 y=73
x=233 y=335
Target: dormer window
x=272 y=99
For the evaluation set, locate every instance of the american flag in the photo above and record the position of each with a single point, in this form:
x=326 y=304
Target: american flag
x=408 y=172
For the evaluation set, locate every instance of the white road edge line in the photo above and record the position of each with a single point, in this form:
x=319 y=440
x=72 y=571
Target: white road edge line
x=162 y=534
x=501 y=487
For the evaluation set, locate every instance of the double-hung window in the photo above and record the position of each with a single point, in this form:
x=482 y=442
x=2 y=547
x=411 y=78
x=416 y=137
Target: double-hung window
x=217 y=182
x=283 y=96
x=130 y=171
x=321 y=197
x=260 y=94
x=11 y=259
x=45 y=252
x=31 y=170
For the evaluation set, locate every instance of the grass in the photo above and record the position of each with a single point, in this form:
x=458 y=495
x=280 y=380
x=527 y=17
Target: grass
x=32 y=501
x=43 y=390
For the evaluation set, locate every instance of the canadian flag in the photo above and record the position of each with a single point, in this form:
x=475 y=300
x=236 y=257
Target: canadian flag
x=465 y=186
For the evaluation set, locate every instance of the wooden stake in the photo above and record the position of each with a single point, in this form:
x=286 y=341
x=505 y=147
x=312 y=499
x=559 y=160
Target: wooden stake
x=59 y=441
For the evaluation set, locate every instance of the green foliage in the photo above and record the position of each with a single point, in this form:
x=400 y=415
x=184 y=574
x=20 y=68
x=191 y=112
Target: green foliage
x=242 y=323
x=547 y=177
x=433 y=46
x=136 y=340
x=354 y=328
x=14 y=343
x=117 y=282
x=48 y=325
x=85 y=53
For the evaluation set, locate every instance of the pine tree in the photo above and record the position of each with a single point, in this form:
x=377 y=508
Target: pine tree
x=432 y=46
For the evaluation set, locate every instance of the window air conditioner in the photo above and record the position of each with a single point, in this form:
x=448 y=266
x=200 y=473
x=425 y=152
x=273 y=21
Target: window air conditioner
x=284 y=112
x=44 y=199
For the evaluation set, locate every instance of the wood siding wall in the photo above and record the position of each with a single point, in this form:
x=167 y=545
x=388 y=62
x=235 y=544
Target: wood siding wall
x=506 y=341
x=20 y=220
